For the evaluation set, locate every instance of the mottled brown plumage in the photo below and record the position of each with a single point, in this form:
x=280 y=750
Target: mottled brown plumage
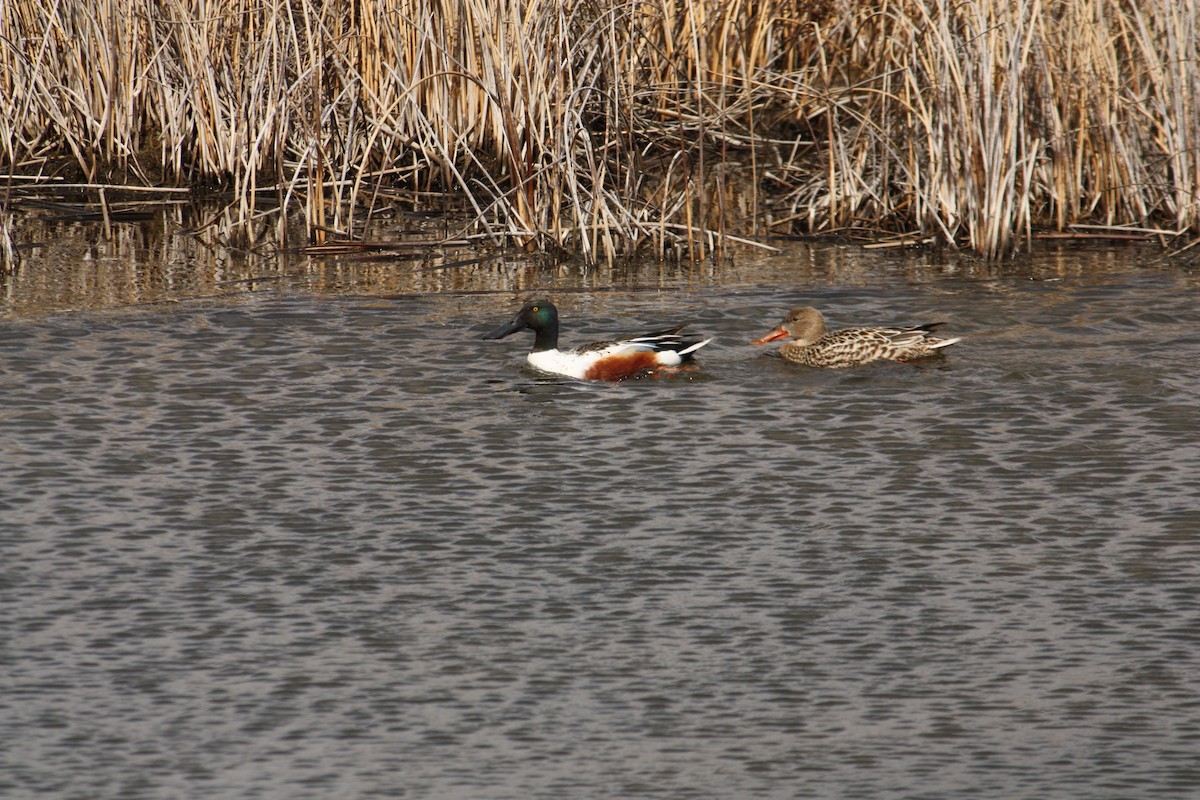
x=812 y=346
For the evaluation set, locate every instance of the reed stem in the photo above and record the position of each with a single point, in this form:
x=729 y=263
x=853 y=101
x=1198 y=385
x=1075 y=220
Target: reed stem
x=608 y=129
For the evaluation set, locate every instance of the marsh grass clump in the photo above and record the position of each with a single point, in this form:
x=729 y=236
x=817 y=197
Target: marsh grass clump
x=601 y=129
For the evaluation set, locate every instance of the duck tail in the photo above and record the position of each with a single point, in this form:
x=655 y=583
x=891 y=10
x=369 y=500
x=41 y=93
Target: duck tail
x=691 y=348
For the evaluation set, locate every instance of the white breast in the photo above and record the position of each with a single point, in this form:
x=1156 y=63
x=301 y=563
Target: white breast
x=562 y=363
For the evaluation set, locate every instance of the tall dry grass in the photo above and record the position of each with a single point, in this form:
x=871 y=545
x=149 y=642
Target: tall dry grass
x=979 y=121
x=605 y=128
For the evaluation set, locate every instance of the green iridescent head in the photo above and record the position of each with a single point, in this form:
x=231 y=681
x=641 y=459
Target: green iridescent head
x=538 y=315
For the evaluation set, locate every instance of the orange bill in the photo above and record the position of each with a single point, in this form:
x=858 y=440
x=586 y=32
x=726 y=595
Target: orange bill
x=778 y=333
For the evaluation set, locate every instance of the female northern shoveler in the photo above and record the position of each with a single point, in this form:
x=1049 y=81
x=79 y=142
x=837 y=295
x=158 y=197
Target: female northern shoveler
x=608 y=361
x=812 y=346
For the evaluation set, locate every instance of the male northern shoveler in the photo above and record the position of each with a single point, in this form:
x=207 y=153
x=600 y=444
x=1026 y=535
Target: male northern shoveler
x=608 y=361
x=812 y=346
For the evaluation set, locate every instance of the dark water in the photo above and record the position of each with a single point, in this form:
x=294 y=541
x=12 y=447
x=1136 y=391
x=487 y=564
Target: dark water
x=287 y=546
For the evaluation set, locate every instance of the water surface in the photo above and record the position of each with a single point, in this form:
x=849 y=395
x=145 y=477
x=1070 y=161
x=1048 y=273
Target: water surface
x=290 y=544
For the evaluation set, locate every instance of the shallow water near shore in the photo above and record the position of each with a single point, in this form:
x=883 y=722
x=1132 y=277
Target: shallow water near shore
x=315 y=542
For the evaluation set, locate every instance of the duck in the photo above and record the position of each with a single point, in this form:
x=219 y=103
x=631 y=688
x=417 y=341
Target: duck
x=813 y=346
x=605 y=361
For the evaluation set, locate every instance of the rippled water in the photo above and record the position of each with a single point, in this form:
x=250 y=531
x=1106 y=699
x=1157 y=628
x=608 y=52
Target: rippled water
x=288 y=546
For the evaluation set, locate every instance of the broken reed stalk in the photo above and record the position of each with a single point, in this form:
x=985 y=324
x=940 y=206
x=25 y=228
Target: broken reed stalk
x=609 y=128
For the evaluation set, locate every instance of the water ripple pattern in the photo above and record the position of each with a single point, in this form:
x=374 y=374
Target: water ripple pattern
x=314 y=548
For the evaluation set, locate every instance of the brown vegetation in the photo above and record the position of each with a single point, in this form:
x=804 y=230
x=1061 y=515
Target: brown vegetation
x=605 y=128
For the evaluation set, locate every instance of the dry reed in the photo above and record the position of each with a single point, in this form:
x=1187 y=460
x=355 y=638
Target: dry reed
x=598 y=128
